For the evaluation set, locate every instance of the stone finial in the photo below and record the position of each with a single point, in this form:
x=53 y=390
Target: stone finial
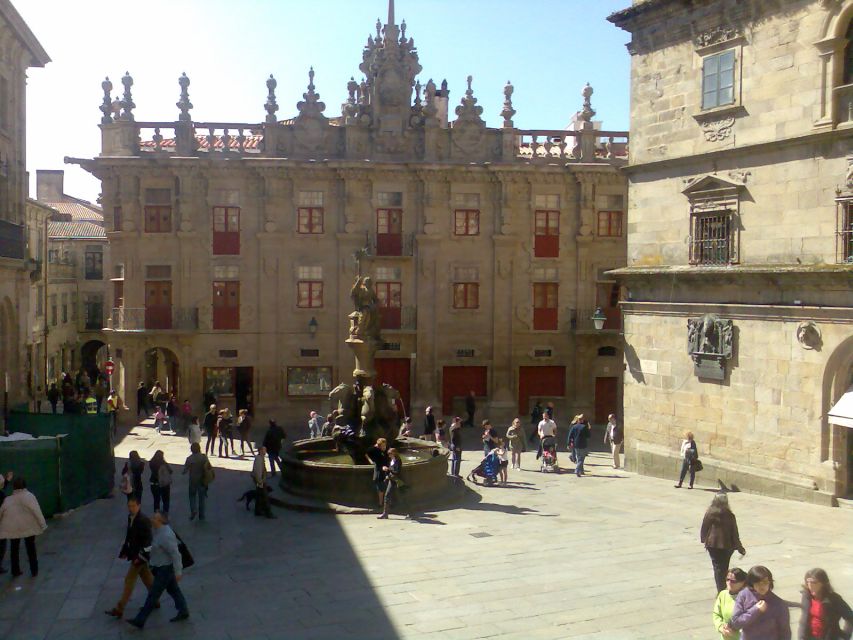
x=127 y=100
x=418 y=87
x=508 y=112
x=444 y=86
x=469 y=111
x=362 y=92
x=403 y=31
x=469 y=92
x=378 y=30
x=311 y=105
x=271 y=105
x=352 y=90
x=184 y=104
x=106 y=105
x=587 y=112
x=430 y=110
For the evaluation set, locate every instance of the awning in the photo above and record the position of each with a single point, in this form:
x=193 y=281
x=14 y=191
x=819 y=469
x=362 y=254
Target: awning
x=842 y=411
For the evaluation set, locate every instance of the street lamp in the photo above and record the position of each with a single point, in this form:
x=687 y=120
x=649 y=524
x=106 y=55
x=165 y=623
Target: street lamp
x=598 y=319
x=312 y=326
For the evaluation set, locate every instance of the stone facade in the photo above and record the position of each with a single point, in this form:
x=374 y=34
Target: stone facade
x=739 y=188
x=250 y=263
x=19 y=50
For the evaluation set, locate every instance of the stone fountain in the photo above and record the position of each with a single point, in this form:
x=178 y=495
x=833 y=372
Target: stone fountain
x=334 y=469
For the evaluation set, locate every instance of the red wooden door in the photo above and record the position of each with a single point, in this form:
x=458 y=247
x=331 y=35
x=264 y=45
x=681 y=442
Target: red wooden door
x=390 y=298
x=606 y=392
x=389 y=232
x=158 y=304
x=457 y=382
x=547 y=237
x=226 y=231
x=395 y=371
x=536 y=382
x=545 y=311
x=226 y=305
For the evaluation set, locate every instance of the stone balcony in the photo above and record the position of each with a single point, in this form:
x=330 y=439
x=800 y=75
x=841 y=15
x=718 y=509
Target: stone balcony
x=156 y=319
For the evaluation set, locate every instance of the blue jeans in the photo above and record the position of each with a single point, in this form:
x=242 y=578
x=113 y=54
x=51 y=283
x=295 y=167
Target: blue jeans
x=686 y=465
x=455 y=460
x=580 y=454
x=164 y=580
x=198 y=492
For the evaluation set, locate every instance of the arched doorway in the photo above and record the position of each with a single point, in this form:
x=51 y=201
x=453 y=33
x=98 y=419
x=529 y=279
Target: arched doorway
x=161 y=365
x=93 y=354
x=837 y=440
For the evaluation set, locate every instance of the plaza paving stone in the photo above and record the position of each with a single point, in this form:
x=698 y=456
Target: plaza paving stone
x=610 y=556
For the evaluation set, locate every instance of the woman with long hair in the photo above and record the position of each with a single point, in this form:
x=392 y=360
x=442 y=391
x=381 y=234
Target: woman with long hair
x=823 y=610
x=134 y=468
x=244 y=426
x=720 y=536
x=759 y=613
x=161 y=481
x=393 y=481
x=724 y=606
x=689 y=454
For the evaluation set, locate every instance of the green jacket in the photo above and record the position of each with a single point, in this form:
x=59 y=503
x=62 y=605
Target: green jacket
x=724 y=607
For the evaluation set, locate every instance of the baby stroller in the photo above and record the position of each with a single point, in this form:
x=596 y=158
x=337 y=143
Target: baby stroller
x=549 y=455
x=487 y=469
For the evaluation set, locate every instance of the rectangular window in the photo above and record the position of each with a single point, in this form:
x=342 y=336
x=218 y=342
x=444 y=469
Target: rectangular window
x=390 y=199
x=844 y=235
x=226 y=305
x=609 y=224
x=545 y=313
x=466 y=288
x=158 y=210
x=310 y=212
x=386 y=273
x=226 y=272
x=466 y=214
x=94 y=263
x=158 y=272
x=219 y=381
x=309 y=381
x=390 y=297
x=309 y=287
x=39 y=301
x=116 y=218
x=711 y=238
x=74 y=307
x=64 y=308
x=389 y=232
x=718 y=79
x=551 y=201
x=547 y=239
x=53 y=310
x=226 y=231
x=93 y=308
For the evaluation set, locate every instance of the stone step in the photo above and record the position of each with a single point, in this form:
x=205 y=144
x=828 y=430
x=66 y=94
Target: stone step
x=845 y=503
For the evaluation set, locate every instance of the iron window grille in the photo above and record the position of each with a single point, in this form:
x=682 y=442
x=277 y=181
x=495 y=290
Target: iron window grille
x=844 y=230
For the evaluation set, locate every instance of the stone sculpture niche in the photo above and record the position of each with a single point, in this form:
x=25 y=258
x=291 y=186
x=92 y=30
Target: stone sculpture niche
x=709 y=343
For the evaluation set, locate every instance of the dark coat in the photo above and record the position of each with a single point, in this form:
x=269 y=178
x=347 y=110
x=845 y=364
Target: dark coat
x=137 y=537
x=579 y=435
x=273 y=439
x=719 y=530
x=209 y=423
x=834 y=610
x=429 y=423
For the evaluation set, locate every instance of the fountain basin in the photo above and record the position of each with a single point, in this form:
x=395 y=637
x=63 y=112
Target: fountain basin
x=313 y=469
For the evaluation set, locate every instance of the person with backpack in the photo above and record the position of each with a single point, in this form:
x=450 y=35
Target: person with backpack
x=201 y=476
x=613 y=437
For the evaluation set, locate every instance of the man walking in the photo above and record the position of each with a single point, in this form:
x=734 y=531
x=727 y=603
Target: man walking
x=613 y=437
x=196 y=466
x=141 y=400
x=272 y=443
x=259 y=477
x=137 y=538
x=535 y=419
x=53 y=396
x=209 y=426
x=579 y=441
x=470 y=408
x=112 y=410
x=167 y=567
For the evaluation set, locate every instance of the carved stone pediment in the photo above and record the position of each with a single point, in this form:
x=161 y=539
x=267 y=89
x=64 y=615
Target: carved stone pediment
x=714 y=182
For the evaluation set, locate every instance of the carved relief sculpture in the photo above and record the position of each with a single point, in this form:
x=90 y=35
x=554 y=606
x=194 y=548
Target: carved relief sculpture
x=710 y=345
x=716 y=130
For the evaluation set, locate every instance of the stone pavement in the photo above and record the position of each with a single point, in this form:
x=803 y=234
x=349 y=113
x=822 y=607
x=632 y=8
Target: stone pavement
x=610 y=556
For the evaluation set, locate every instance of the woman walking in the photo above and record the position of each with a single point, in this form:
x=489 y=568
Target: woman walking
x=725 y=604
x=21 y=519
x=134 y=468
x=515 y=439
x=720 y=536
x=244 y=427
x=194 y=431
x=393 y=482
x=823 y=610
x=689 y=454
x=429 y=425
x=223 y=425
x=161 y=481
x=759 y=613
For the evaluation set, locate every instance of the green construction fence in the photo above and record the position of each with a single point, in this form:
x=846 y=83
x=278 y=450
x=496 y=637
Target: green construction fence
x=71 y=463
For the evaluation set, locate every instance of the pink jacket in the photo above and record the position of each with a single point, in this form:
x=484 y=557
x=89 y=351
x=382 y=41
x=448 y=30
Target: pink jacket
x=21 y=516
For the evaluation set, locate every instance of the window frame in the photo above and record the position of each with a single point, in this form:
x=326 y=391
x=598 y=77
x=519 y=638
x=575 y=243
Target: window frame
x=225 y=316
x=469 y=293
x=547 y=244
x=469 y=215
x=225 y=242
x=310 y=227
x=716 y=57
x=158 y=218
x=547 y=317
x=844 y=231
x=311 y=286
x=96 y=272
x=611 y=215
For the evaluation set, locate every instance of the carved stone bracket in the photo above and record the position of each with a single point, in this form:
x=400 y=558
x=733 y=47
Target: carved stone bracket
x=809 y=336
x=716 y=130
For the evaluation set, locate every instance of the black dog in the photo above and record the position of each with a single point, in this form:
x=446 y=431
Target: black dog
x=252 y=494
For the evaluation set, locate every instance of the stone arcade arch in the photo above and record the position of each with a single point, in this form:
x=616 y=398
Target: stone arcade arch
x=836 y=440
x=161 y=363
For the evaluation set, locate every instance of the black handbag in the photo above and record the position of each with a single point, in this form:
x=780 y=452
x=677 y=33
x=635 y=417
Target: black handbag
x=697 y=465
x=186 y=557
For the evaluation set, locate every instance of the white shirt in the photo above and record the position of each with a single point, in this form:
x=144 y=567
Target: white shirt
x=547 y=428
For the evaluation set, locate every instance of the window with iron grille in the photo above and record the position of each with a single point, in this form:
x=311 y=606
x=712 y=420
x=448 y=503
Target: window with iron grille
x=711 y=237
x=844 y=235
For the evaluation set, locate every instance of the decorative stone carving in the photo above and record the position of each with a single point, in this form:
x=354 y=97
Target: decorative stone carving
x=508 y=111
x=271 y=105
x=469 y=127
x=809 y=336
x=106 y=105
x=717 y=35
x=127 y=103
x=716 y=130
x=710 y=345
x=848 y=178
x=184 y=104
x=310 y=124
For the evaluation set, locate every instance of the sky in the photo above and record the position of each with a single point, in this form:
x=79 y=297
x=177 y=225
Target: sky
x=548 y=48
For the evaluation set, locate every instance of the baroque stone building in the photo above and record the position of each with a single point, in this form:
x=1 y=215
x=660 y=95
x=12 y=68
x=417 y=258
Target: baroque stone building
x=739 y=313
x=19 y=51
x=232 y=247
